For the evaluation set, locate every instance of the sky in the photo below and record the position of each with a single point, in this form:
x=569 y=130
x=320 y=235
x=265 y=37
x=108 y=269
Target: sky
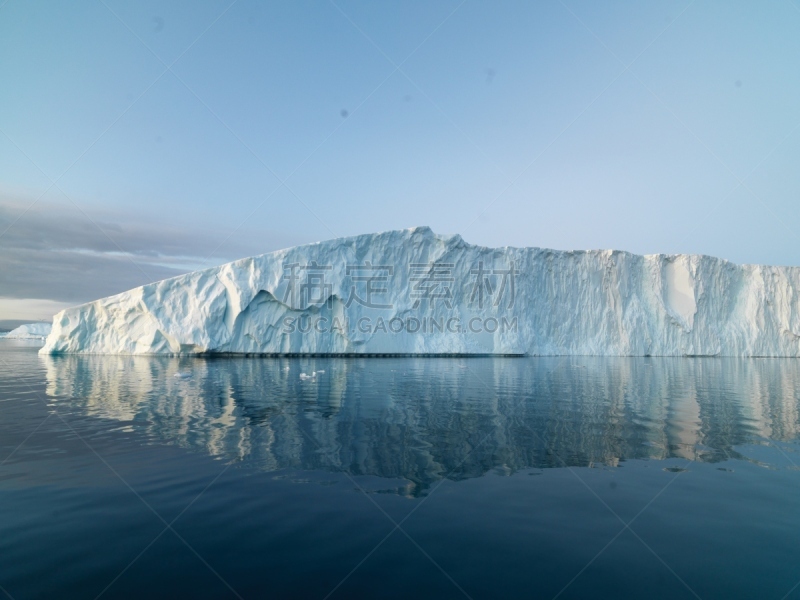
x=140 y=140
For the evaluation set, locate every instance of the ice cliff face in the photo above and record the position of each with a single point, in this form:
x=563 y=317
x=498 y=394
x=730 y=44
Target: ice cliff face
x=415 y=292
x=32 y=331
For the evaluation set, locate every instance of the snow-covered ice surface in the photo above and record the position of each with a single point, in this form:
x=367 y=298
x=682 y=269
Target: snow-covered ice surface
x=31 y=331
x=437 y=294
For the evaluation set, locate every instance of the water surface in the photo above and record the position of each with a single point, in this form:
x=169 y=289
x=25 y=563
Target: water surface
x=398 y=477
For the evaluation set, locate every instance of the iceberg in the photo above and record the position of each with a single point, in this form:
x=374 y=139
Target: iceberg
x=31 y=331
x=419 y=293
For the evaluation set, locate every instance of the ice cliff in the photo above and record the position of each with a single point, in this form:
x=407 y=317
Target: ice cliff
x=31 y=331
x=416 y=292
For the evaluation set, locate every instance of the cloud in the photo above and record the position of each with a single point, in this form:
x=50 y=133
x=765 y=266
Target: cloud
x=58 y=254
x=17 y=311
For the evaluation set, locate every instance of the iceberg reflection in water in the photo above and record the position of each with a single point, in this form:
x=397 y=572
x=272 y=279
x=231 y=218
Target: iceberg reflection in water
x=424 y=420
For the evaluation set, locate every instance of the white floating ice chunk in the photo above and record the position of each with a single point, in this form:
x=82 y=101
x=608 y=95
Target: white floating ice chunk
x=181 y=375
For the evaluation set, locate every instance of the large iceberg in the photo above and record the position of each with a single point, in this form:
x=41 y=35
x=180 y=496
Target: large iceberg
x=31 y=331
x=416 y=292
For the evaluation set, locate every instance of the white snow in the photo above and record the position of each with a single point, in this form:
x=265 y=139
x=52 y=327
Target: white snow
x=564 y=302
x=31 y=331
x=679 y=285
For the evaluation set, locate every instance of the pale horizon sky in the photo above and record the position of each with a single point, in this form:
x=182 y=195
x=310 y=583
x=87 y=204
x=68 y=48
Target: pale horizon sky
x=140 y=140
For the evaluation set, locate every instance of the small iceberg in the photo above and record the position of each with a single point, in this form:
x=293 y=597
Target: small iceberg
x=31 y=331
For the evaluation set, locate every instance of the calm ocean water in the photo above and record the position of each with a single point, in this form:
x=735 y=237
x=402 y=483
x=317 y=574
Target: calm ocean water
x=398 y=478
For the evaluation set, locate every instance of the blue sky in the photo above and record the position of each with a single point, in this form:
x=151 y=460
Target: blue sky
x=187 y=134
